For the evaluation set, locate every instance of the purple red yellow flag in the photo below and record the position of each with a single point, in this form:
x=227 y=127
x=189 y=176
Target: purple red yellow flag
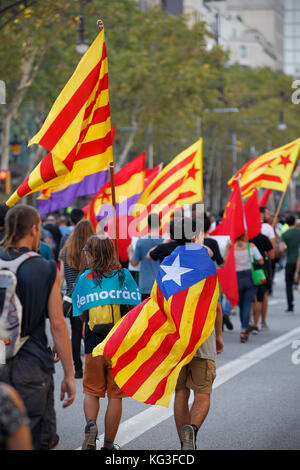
x=77 y=130
x=271 y=170
x=149 y=346
x=179 y=183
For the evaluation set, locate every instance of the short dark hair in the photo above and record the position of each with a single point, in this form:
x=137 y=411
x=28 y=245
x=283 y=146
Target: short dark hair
x=290 y=220
x=154 y=221
x=76 y=215
x=186 y=229
x=207 y=223
x=262 y=209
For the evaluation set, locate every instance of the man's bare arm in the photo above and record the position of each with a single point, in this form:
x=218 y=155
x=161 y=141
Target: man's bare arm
x=62 y=342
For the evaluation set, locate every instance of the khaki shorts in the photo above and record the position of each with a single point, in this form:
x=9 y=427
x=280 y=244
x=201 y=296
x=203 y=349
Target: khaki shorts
x=98 y=379
x=198 y=375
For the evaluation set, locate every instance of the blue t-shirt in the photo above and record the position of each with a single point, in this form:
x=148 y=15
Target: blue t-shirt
x=148 y=268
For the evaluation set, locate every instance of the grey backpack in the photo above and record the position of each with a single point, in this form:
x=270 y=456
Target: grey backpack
x=11 y=310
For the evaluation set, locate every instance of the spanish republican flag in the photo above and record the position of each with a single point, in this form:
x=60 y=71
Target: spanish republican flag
x=77 y=131
x=179 y=183
x=271 y=170
x=150 y=345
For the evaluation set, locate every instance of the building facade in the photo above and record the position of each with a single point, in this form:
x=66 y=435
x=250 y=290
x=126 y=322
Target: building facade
x=292 y=38
x=252 y=31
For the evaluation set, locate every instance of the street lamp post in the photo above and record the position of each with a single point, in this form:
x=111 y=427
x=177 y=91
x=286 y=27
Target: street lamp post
x=81 y=46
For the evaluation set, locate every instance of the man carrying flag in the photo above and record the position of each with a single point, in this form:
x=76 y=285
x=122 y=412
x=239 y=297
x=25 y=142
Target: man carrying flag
x=151 y=345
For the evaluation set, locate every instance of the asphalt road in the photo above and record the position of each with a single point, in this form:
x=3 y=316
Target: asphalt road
x=254 y=404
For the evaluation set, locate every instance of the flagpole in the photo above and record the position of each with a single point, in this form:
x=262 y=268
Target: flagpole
x=113 y=196
x=278 y=208
x=100 y=25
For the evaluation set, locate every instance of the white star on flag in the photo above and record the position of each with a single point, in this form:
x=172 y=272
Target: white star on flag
x=174 y=272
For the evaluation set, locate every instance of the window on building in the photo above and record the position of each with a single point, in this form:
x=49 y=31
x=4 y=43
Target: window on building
x=243 y=51
x=174 y=7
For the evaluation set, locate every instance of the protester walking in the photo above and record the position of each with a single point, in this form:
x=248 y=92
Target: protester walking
x=148 y=268
x=246 y=287
x=31 y=370
x=101 y=296
x=290 y=243
x=72 y=261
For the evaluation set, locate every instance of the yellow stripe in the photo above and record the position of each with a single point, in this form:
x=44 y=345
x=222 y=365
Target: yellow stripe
x=96 y=131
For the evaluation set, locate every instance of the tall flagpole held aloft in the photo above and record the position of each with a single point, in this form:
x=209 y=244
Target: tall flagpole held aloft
x=112 y=180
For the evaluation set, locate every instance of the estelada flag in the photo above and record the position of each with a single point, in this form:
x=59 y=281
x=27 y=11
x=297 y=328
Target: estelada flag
x=271 y=170
x=178 y=184
x=252 y=215
x=77 y=130
x=150 y=345
x=232 y=224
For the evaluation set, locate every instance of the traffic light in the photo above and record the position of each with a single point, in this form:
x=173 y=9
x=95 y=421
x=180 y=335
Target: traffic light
x=5 y=181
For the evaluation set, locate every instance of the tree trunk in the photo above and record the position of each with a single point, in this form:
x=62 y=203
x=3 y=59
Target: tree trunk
x=26 y=76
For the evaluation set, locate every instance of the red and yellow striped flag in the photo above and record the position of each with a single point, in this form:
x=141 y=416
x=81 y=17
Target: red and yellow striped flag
x=179 y=183
x=149 y=346
x=77 y=130
x=271 y=170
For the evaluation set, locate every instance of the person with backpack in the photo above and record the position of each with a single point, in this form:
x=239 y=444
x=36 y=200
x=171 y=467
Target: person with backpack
x=100 y=297
x=72 y=261
x=29 y=360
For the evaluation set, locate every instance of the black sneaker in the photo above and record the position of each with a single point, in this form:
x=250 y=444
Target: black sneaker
x=227 y=322
x=254 y=330
x=54 y=443
x=188 y=437
x=91 y=433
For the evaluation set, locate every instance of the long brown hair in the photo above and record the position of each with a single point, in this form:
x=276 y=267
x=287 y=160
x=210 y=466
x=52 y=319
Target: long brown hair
x=102 y=258
x=75 y=244
x=18 y=222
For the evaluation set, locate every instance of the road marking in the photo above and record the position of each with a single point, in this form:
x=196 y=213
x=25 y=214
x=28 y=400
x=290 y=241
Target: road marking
x=154 y=415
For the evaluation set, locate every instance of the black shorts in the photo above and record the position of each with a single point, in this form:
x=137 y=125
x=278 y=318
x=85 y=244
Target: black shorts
x=36 y=388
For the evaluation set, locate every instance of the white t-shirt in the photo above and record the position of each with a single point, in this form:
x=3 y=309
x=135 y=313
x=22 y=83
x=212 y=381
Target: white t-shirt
x=267 y=230
x=242 y=262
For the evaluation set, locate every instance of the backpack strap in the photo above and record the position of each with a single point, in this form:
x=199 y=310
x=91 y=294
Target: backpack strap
x=14 y=264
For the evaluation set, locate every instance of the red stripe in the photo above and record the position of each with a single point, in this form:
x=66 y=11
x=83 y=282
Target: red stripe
x=146 y=369
x=72 y=108
x=102 y=85
x=94 y=147
x=157 y=320
x=24 y=188
x=275 y=179
x=118 y=336
x=47 y=170
x=101 y=114
x=203 y=305
x=173 y=170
